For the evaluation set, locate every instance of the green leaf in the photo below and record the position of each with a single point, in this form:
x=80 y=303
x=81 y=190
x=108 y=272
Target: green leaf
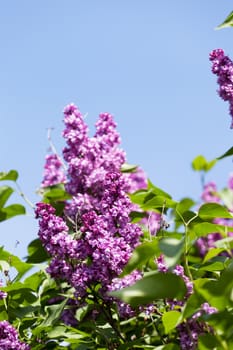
x=11 y=211
x=212 y=253
x=139 y=196
x=55 y=193
x=216 y=265
x=192 y=305
x=172 y=249
x=15 y=262
x=11 y=175
x=35 y=280
x=36 y=252
x=137 y=216
x=205 y=228
x=226 y=154
x=210 y=211
x=128 y=168
x=219 y=293
x=184 y=205
x=210 y=164
x=143 y=253
x=225 y=243
x=226 y=196
x=227 y=23
x=157 y=191
x=170 y=346
x=153 y=287
x=5 y=193
x=159 y=202
x=4 y=266
x=170 y=320
x=207 y=341
x=53 y=313
x=201 y=164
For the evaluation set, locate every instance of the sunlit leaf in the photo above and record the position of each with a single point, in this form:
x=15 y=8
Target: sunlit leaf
x=213 y=266
x=208 y=341
x=172 y=249
x=227 y=23
x=55 y=193
x=212 y=253
x=141 y=255
x=226 y=154
x=11 y=211
x=200 y=163
x=36 y=252
x=204 y=228
x=226 y=196
x=128 y=168
x=53 y=313
x=153 y=287
x=210 y=211
x=15 y=262
x=159 y=202
x=170 y=320
x=11 y=175
x=5 y=193
x=184 y=205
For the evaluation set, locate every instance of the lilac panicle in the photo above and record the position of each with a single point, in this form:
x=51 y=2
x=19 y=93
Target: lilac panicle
x=94 y=239
x=9 y=338
x=209 y=194
x=53 y=171
x=222 y=66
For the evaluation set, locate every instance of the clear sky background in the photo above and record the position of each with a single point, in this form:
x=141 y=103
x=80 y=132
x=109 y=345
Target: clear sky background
x=146 y=62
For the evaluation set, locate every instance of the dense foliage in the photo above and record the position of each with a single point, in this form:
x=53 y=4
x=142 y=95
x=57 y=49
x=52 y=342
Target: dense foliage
x=118 y=263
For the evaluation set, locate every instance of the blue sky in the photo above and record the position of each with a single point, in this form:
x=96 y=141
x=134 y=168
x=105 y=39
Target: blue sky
x=146 y=62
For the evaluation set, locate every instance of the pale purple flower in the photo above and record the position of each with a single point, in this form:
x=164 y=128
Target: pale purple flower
x=230 y=182
x=222 y=66
x=9 y=338
x=209 y=194
x=53 y=171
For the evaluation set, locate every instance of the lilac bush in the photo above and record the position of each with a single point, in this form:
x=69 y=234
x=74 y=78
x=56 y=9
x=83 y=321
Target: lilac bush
x=117 y=275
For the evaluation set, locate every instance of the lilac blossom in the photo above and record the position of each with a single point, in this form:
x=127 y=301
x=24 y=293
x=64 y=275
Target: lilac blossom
x=222 y=66
x=190 y=330
x=53 y=171
x=9 y=338
x=209 y=193
x=230 y=182
x=94 y=239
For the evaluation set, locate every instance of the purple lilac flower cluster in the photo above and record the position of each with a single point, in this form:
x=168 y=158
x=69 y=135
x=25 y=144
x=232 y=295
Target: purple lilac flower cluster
x=210 y=195
x=190 y=329
x=9 y=338
x=94 y=240
x=222 y=66
x=53 y=171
